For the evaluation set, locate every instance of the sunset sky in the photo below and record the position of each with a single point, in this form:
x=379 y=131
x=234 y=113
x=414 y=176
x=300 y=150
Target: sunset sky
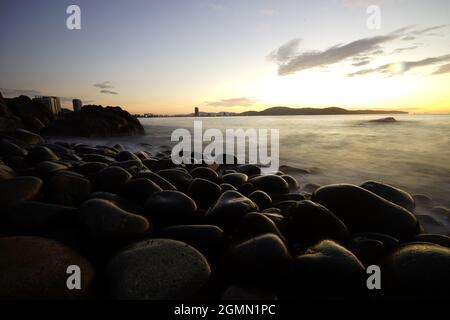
x=229 y=55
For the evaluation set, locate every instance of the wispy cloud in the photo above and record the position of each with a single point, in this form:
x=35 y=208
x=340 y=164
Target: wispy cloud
x=290 y=60
x=400 y=67
x=443 y=69
x=104 y=85
x=234 y=102
x=108 y=92
x=400 y=50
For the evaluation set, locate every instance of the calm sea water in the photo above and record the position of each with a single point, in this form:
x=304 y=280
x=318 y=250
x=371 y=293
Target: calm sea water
x=412 y=153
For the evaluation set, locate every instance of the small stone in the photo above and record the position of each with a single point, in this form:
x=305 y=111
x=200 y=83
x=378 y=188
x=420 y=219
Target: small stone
x=111 y=179
x=272 y=184
x=20 y=189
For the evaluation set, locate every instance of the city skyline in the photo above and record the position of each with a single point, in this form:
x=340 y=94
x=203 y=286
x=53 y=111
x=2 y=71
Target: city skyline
x=167 y=57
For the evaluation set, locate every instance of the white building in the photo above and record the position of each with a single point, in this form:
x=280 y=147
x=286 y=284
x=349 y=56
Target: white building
x=77 y=104
x=53 y=104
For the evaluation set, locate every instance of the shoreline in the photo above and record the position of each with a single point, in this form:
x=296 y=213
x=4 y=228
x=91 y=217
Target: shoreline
x=141 y=227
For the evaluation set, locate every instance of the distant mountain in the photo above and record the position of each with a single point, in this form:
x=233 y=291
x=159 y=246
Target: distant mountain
x=286 y=111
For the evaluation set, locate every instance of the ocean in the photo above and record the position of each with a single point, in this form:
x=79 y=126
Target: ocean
x=412 y=153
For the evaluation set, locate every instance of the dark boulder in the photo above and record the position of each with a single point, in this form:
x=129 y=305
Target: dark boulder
x=309 y=222
x=261 y=198
x=179 y=178
x=111 y=179
x=102 y=219
x=159 y=269
x=20 y=189
x=263 y=261
x=418 y=271
x=138 y=190
x=204 y=192
x=39 y=154
x=391 y=194
x=156 y=178
x=69 y=189
x=205 y=173
x=171 y=207
x=235 y=179
x=362 y=210
x=229 y=208
x=36 y=268
x=272 y=184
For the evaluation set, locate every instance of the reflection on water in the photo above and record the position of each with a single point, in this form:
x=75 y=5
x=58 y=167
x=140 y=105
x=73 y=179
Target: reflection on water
x=412 y=153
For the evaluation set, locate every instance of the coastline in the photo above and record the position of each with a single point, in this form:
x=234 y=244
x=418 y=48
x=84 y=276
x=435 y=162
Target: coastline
x=117 y=213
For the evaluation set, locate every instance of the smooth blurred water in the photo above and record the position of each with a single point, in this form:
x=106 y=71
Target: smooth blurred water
x=412 y=153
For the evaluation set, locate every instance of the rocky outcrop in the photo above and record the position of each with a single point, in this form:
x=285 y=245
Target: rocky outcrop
x=24 y=113
x=96 y=121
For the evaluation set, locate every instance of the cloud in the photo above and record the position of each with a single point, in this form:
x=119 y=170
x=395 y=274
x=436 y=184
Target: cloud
x=409 y=38
x=423 y=31
x=401 y=67
x=104 y=85
x=241 y=102
x=443 y=69
x=19 y=92
x=399 y=50
x=108 y=92
x=361 y=63
x=290 y=60
x=269 y=12
x=286 y=52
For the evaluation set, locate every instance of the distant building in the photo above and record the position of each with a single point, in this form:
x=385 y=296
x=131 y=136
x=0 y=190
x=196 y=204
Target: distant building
x=53 y=104
x=77 y=104
x=197 y=113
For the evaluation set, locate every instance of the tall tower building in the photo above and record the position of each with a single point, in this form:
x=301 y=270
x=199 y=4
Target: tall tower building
x=196 y=112
x=77 y=104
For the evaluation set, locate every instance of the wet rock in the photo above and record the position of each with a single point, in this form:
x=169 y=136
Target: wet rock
x=205 y=173
x=45 y=169
x=389 y=242
x=362 y=210
x=309 y=222
x=38 y=217
x=97 y=158
x=204 y=192
x=6 y=172
x=139 y=189
x=178 y=178
x=229 y=208
x=39 y=154
x=263 y=261
x=368 y=251
x=255 y=224
x=156 y=178
x=68 y=189
x=158 y=164
x=129 y=165
x=126 y=155
x=418 y=271
x=208 y=239
x=20 y=189
x=239 y=292
x=39 y=271
x=438 y=239
x=249 y=169
x=246 y=189
x=261 y=198
x=235 y=179
x=90 y=168
x=328 y=270
x=171 y=207
x=284 y=206
x=291 y=181
x=119 y=201
x=111 y=179
x=8 y=148
x=391 y=194
x=28 y=136
x=272 y=184
x=441 y=213
x=158 y=269
x=102 y=219
x=226 y=187
x=289 y=196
